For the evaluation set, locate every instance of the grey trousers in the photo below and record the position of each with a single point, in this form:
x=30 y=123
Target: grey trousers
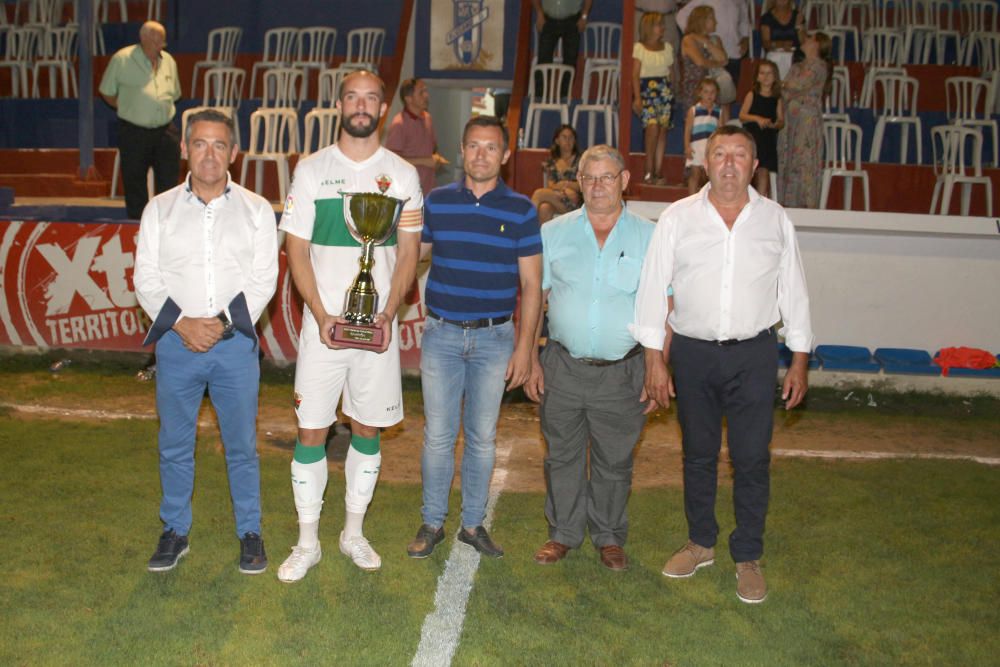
x=599 y=406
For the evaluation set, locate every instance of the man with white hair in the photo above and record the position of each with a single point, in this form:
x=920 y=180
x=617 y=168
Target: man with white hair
x=589 y=379
x=141 y=83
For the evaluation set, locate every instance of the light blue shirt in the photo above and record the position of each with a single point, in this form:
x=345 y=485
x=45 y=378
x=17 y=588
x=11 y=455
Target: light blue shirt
x=592 y=290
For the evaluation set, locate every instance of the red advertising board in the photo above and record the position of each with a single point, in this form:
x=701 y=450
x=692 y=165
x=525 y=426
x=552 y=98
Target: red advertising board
x=69 y=285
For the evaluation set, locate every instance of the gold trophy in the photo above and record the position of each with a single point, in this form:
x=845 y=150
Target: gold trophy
x=371 y=219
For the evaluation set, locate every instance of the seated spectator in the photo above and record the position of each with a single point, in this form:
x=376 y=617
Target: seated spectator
x=561 y=191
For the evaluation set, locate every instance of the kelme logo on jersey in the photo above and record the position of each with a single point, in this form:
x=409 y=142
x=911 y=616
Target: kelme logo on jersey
x=383 y=182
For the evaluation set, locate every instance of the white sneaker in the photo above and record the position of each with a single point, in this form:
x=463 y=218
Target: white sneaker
x=358 y=550
x=296 y=565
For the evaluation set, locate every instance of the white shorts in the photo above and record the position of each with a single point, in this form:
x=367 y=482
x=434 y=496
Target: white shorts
x=367 y=384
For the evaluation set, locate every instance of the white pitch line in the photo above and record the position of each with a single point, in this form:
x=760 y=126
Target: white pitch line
x=443 y=627
x=844 y=455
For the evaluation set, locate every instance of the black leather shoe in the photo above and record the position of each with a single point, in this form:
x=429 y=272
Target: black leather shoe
x=169 y=550
x=423 y=544
x=253 y=559
x=480 y=540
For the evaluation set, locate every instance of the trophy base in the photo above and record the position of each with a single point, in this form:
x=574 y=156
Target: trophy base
x=359 y=336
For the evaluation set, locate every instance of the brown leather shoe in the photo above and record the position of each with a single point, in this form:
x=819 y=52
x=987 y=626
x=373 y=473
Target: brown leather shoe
x=613 y=557
x=551 y=552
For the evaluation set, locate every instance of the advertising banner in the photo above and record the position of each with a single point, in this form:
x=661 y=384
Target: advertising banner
x=69 y=285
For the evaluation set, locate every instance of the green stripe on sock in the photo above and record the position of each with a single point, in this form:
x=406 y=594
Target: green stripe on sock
x=368 y=446
x=305 y=454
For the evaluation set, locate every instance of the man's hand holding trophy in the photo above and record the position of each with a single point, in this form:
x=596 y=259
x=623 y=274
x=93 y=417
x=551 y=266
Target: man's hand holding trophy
x=371 y=219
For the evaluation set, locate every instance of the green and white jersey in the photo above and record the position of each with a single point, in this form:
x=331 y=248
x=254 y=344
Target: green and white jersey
x=314 y=211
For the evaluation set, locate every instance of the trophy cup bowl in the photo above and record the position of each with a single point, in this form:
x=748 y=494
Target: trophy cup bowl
x=371 y=218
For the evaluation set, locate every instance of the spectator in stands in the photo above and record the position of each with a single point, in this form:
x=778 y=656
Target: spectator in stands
x=782 y=28
x=733 y=28
x=731 y=287
x=671 y=35
x=206 y=265
x=652 y=97
x=411 y=133
x=700 y=51
x=560 y=20
x=561 y=192
x=801 y=153
x=701 y=121
x=763 y=115
x=141 y=82
x=589 y=378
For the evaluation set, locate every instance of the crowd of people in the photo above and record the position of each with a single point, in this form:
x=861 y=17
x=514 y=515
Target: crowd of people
x=638 y=314
x=689 y=79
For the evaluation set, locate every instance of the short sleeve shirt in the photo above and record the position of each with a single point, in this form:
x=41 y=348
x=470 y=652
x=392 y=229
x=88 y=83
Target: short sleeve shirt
x=145 y=96
x=314 y=211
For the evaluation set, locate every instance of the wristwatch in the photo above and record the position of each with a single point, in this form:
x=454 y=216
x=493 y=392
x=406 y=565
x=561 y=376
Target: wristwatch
x=227 y=327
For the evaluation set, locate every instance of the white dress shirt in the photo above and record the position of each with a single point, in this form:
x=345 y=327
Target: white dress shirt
x=202 y=255
x=732 y=22
x=727 y=284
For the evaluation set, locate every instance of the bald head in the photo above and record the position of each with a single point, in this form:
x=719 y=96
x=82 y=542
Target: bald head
x=354 y=78
x=152 y=38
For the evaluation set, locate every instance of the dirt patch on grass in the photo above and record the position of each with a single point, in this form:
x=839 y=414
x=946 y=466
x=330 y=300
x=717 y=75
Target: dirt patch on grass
x=658 y=457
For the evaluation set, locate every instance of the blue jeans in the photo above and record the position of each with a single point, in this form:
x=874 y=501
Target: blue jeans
x=231 y=372
x=457 y=364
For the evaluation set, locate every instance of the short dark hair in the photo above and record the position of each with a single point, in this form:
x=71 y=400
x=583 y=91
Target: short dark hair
x=486 y=121
x=211 y=116
x=732 y=131
x=406 y=89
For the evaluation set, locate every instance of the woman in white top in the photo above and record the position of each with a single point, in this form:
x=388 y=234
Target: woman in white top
x=652 y=98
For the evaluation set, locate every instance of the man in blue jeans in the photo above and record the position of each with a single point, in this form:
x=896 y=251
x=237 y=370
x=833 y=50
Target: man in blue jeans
x=206 y=265
x=486 y=244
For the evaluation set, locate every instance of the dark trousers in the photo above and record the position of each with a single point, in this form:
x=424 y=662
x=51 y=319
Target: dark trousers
x=553 y=31
x=736 y=382
x=733 y=66
x=599 y=406
x=141 y=148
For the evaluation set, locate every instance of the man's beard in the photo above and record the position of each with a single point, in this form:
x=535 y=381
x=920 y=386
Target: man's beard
x=360 y=131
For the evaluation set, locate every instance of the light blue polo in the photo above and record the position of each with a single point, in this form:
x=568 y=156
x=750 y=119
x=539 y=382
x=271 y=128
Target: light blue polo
x=592 y=289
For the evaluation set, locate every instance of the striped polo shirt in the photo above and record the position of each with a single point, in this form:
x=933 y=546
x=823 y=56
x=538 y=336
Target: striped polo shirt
x=476 y=246
x=705 y=121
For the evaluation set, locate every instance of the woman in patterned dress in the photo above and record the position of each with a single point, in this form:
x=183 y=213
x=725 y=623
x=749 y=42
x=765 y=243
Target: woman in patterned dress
x=561 y=192
x=700 y=51
x=800 y=155
x=652 y=98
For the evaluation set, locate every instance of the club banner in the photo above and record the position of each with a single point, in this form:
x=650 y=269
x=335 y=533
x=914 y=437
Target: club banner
x=465 y=38
x=69 y=285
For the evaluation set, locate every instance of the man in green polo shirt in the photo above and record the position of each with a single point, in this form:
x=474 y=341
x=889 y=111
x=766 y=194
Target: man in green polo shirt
x=141 y=83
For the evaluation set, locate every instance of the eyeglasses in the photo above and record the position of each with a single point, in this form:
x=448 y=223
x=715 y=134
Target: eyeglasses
x=605 y=179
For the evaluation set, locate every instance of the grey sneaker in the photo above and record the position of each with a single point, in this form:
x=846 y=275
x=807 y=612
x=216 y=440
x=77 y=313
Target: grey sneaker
x=750 y=585
x=686 y=560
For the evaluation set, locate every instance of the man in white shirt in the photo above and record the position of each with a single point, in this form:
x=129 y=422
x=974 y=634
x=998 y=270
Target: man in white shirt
x=733 y=27
x=206 y=266
x=732 y=260
x=323 y=258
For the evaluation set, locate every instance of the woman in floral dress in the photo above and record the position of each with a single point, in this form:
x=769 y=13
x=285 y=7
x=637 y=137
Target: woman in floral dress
x=800 y=151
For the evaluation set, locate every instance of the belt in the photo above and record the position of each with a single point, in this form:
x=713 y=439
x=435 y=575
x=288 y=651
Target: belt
x=481 y=323
x=604 y=362
x=736 y=341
